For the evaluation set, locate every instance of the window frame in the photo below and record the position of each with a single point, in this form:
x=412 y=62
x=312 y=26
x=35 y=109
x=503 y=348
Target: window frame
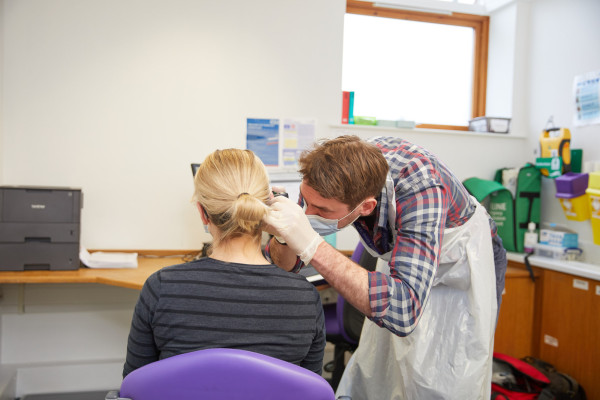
x=480 y=25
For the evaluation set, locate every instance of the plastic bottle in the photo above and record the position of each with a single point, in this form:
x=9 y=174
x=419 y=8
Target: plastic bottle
x=531 y=238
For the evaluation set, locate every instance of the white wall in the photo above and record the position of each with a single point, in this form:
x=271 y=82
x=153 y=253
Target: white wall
x=1 y=87
x=501 y=63
x=118 y=98
x=64 y=337
x=564 y=43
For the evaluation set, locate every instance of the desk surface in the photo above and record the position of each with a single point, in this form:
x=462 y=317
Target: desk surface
x=132 y=278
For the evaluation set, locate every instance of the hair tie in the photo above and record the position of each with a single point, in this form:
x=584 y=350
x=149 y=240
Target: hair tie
x=241 y=194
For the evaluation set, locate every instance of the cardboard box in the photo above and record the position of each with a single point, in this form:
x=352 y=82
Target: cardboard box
x=558 y=238
x=558 y=253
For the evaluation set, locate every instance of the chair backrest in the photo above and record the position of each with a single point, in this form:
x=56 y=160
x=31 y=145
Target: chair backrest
x=215 y=374
x=350 y=319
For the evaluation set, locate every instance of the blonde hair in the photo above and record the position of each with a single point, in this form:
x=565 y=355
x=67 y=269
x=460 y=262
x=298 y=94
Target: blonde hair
x=232 y=186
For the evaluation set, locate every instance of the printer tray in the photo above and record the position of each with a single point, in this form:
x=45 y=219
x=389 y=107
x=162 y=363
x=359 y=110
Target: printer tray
x=39 y=256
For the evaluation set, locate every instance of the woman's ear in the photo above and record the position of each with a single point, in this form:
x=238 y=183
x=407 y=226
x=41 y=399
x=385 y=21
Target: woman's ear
x=368 y=206
x=203 y=214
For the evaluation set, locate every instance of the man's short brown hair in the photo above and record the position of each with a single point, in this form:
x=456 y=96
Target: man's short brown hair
x=346 y=168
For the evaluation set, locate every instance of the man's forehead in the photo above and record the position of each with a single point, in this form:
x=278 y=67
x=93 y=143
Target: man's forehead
x=313 y=198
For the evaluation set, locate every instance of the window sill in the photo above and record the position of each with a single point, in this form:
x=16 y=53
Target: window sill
x=383 y=129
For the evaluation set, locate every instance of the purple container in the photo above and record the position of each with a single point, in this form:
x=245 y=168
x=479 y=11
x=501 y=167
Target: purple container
x=571 y=185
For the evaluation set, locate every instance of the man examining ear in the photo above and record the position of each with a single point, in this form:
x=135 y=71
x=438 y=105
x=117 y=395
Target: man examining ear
x=436 y=290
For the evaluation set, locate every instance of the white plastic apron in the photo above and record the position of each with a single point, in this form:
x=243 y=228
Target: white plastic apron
x=449 y=354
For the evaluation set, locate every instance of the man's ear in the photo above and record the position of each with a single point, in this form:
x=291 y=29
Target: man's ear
x=368 y=206
x=203 y=213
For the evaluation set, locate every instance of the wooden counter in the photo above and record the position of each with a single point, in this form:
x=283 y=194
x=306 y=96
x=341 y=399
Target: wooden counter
x=132 y=278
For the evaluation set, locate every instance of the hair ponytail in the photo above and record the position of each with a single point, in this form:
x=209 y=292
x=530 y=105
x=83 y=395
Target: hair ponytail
x=247 y=213
x=232 y=185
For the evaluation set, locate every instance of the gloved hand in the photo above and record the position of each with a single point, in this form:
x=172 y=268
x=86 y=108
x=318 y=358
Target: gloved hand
x=287 y=220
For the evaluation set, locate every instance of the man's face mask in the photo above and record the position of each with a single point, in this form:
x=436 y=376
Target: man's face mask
x=325 y=226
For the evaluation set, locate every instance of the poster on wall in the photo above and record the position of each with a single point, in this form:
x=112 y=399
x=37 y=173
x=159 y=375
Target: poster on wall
x=298 y=135
x=586 y=88
x=262 y=137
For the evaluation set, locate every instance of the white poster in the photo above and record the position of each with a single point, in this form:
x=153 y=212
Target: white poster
x=586 y=88
x=298 y=135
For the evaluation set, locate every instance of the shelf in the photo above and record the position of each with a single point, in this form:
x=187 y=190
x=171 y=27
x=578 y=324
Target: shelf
x=388 y=129
x=580 y=269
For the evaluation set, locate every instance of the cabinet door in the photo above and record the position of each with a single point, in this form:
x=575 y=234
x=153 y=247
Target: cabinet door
x=514 y=332
x=570 y=324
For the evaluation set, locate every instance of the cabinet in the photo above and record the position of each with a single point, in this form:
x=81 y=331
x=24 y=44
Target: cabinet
x=516 y=324
x=556 y=318
x=569 y=330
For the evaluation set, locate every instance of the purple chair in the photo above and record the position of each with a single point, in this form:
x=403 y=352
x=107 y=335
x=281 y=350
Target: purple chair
x=343 y=322
x=215 y=374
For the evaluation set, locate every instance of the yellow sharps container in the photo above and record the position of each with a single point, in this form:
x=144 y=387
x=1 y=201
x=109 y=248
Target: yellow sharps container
x=593 y=192
x=570 y=190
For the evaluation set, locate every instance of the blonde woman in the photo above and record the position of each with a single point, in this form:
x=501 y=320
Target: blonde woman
x=233 y=298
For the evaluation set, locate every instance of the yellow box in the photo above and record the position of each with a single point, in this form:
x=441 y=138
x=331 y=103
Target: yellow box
x=594 y=180
x=576 y=208
x=594 y=195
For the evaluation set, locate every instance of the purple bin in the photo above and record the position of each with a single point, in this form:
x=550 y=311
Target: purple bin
x=571 y=185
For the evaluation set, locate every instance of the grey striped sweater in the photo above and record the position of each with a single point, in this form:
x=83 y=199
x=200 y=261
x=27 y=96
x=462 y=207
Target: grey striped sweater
x=210 y=303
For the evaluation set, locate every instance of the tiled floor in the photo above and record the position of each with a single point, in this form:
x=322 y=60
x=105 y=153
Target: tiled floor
x=68 y=396
x=326 y=358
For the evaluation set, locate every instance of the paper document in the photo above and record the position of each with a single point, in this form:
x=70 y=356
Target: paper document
x=101 y=259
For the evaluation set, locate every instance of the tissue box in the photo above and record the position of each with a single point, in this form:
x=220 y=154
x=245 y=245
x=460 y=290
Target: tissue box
x=558 y=238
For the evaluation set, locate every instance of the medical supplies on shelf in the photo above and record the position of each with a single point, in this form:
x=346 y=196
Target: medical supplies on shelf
x=490 y=124
x=558 y=253
x=554 y=235
x=571 y=191
x=593 y=192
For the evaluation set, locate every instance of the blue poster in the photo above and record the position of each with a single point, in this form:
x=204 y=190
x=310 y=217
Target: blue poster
x=262 y=137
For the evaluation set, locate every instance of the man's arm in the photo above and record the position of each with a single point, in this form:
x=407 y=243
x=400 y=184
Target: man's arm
x=348 y=278
x=281 y=255
x=288 y=221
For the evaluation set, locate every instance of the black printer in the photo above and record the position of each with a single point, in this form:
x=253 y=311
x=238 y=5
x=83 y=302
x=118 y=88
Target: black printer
x=39 y=228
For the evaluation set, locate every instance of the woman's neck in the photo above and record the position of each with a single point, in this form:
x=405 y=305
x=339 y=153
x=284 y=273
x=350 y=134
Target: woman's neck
x=242 y=250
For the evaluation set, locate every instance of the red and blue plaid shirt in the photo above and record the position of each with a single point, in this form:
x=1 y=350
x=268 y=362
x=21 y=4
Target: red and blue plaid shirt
x=429 y=198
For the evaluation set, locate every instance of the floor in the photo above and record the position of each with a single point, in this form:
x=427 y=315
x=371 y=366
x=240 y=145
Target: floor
x=68 y=396
x=326 y=358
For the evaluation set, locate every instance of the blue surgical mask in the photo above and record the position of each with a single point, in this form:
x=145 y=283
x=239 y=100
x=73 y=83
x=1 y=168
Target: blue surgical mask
x=325 y=226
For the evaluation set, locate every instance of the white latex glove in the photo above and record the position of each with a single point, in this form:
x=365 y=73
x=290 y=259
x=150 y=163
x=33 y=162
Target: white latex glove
x=287 y=220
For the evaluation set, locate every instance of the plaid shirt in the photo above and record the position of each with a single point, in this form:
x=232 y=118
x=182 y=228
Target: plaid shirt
x=429 y=198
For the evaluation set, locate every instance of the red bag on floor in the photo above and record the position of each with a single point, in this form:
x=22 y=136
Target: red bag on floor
x=516 y=379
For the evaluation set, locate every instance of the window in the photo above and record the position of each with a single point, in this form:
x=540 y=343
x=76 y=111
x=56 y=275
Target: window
x=424 y=67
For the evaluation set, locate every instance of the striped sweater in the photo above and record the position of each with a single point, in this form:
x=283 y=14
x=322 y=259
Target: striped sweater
x=210 y=304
